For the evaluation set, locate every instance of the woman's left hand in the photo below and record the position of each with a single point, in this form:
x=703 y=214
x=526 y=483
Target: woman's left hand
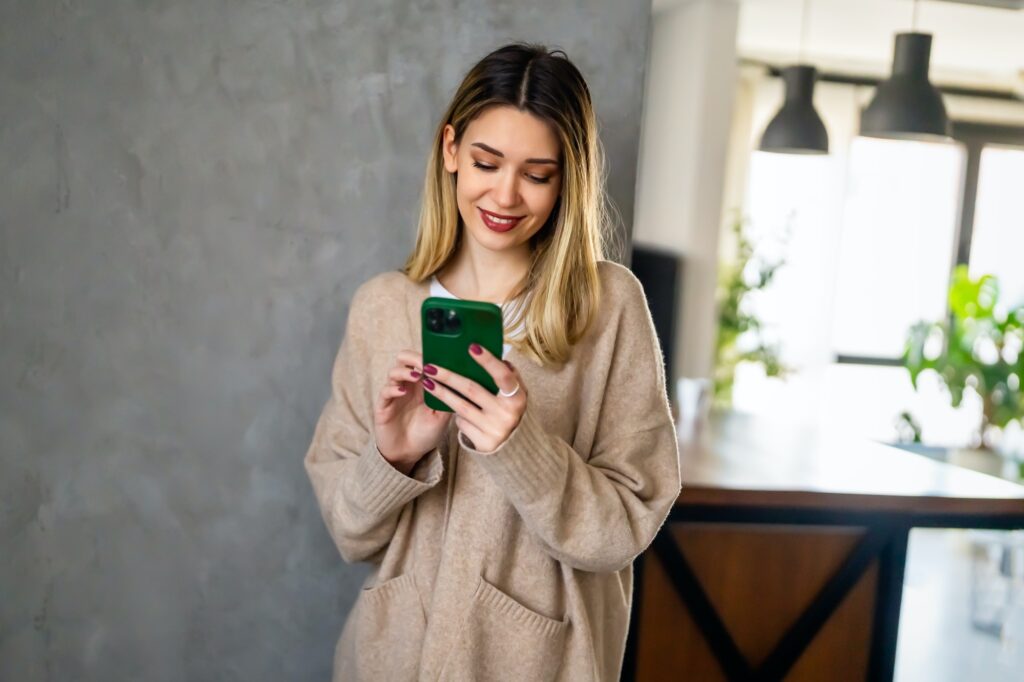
x=490 y=424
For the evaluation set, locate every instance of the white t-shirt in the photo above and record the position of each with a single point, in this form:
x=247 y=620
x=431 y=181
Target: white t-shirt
x=437 y=289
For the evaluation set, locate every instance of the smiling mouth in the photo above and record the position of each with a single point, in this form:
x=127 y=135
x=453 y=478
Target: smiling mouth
x=497 y=223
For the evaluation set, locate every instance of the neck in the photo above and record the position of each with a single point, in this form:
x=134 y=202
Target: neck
x=480 y=274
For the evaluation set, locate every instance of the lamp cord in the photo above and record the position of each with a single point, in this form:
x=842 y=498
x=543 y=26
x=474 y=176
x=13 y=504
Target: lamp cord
x=803 y=32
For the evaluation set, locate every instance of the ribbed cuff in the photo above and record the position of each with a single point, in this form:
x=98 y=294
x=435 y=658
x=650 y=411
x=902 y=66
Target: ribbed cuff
x=525 y=464
x=384 y=488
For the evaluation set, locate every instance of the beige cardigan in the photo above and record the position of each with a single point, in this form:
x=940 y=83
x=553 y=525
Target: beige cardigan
x=509 y=565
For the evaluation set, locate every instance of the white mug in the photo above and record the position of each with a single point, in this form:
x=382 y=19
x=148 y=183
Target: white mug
x=693 y=395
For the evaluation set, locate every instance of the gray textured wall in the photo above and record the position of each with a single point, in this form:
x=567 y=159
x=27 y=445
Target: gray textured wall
x=190 y=190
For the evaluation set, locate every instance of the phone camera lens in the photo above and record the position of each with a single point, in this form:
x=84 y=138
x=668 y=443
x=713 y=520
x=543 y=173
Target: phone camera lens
x=454 y=324
x=435 y=319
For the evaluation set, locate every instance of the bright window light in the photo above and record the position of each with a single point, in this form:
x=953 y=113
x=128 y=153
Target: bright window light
x=897 y=248
x=997 y=243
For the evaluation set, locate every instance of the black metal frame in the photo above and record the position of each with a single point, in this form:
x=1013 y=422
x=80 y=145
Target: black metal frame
x=775 y=70
x=885 y=538
x=974 y=137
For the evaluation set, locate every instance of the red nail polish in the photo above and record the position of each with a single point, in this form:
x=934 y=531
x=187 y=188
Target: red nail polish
x=428 y=383
x=415 y=374
x=475 y=349
x=401 y=387
x=430 y=369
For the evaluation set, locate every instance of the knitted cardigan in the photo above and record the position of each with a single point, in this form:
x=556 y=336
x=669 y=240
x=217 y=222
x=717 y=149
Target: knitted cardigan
x=514 y=564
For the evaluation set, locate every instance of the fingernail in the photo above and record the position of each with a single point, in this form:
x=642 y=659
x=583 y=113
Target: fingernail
x=401 y=387
x=428 y=383
x=475 y=349
x=430 y=369
x=415 y=374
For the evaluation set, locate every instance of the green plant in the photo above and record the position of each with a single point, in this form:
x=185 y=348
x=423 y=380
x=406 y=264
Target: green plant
x=740 y=333
x=978 y=346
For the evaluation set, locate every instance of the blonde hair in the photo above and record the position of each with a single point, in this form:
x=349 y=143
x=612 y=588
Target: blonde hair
x=562 y=281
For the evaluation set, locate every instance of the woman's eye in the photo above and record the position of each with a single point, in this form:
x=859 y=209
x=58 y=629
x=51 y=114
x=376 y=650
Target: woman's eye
x=539 y=181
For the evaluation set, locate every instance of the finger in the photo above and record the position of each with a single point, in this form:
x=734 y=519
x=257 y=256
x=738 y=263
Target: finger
x=386 y=404
x=403 y=374
x=409 y=358
x=461 y=406
x=467 y=387
x=392 y=391
x=504 y=376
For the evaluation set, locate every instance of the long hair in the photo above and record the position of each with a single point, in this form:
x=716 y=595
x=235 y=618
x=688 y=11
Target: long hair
x=562 y=280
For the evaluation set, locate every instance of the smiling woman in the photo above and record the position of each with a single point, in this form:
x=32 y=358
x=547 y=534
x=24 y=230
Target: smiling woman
x=518 y=163
x=509 y=190
x=520 y=564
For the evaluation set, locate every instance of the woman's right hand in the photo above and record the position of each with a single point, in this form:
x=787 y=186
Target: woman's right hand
x=405 y=428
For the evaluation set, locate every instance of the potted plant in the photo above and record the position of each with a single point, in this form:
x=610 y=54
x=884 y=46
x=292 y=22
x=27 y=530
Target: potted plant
x=741 y=335
x=978 y=348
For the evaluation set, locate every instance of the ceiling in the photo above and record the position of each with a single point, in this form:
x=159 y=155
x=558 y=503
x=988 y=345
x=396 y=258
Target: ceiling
x=973 y=45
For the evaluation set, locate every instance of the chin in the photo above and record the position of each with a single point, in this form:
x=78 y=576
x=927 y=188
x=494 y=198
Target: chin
x=496 y=242
x=486 y=235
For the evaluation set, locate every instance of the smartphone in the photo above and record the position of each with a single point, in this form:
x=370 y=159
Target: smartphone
x=449 y=326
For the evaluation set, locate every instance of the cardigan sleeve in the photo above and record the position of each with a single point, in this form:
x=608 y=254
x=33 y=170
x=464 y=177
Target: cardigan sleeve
x=360 y=494
x=598 y=514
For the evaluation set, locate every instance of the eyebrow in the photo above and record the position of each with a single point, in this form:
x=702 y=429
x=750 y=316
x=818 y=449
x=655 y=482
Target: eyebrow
x=492 y=150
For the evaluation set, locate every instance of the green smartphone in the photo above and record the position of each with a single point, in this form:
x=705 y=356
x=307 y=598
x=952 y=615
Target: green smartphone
x=449 y=326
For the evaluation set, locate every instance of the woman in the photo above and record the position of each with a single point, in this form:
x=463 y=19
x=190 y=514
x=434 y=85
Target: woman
x=502 y=535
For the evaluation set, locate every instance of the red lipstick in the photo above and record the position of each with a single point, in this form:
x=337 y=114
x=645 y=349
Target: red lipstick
x=495 y=221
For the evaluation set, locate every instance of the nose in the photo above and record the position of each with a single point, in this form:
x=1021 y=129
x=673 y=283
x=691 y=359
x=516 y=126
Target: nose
x=506 y=194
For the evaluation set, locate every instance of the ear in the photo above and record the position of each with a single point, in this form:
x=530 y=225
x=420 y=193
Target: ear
x=449 y=149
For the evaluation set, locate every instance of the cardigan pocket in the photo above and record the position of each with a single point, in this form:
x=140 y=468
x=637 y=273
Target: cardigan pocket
x=386 y=633
x=502 y=639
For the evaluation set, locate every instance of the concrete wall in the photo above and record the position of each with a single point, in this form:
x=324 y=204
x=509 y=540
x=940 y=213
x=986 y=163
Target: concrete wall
x=190 y=191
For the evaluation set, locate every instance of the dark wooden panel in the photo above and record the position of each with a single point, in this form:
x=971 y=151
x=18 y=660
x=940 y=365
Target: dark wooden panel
x=760 y=579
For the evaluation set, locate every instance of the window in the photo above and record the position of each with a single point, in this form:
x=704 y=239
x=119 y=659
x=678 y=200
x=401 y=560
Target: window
x=874 y=231
x=998 y=235
x=896 y=249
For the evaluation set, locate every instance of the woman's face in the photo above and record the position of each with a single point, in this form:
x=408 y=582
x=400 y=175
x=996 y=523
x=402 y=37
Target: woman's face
x=508 y=165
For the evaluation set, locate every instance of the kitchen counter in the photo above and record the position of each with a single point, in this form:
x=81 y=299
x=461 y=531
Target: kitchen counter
x=783 y=557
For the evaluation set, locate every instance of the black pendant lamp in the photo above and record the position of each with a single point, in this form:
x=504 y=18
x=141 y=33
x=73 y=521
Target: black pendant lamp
x=797 y=128
x=907 y=106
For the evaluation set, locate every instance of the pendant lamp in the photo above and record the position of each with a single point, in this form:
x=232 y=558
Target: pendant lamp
x=797 y=128
x=907 y=106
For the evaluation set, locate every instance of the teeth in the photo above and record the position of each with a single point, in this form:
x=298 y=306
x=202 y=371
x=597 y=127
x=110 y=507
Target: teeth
x=501 y=221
